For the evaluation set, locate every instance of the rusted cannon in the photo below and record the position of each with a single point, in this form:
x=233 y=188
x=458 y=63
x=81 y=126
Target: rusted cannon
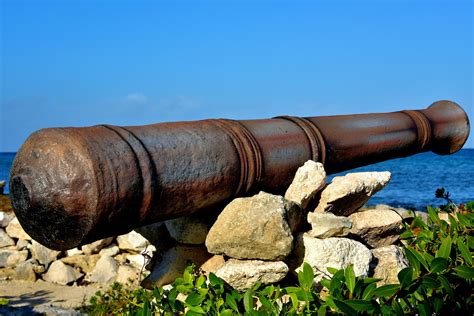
x=71 y=186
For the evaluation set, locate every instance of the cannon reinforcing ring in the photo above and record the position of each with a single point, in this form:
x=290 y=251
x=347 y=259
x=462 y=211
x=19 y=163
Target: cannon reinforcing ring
x=248 y=150
x=423 y=127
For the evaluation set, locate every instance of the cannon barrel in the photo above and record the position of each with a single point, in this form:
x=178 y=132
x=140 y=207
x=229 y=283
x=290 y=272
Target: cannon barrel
x=71 y=186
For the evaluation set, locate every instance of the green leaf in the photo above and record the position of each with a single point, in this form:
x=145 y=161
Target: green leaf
x=230 y=301
x=438 y=264
x=405 y=276
x=445 y=248
x=196 y=309
x=464 y=250
x=214 y=280
x=430 y=282
x=248 y=301
x=322 y=310
x=386 y=290
x=306 y=277
x=194 y=299
x=350 y=278
x=464 y=272
x=344 y=307
x=361 y=305
x=415 y=258
x=332 y=270
x=446 y=285
x=369 y=291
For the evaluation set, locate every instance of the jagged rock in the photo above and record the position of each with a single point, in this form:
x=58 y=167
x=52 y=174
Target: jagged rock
x=346 y=194
x=212 y=264
x=325 y=225
x=15 y=230
x=26 y=270
x=127 y=274
x=308 y=181
x=377 y=228
x=5 y=219
x=96 y=246
x=173 y=264
x=243 y=274
x=332 y=252
x=12 y=257
x=110 y=251
x=132 y=241
x=61 y=273
x=22 y=244
x=42 y=254
x=85 y=263
x=138 y=261
x=389 y=261
x=189 y=229
x=73 y=252
x=252 y=228
x=121 y=258
x=7 y=273
x=158 y=236
x=105 y=270
x=5 y=240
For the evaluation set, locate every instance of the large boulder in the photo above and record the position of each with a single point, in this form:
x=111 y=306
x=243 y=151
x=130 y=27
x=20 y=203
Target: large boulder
x=15 y=230
x=332 y=252
x=376 y=228
x=346 y=194
x=243 y=274
x=44 y=255
x=61 y=273
x=325 y=225
x=309 y=180
x=388 y=262
x=173 y=264
x=12 y=257
x=26 y=270
x=253 y=228
x=5 y=240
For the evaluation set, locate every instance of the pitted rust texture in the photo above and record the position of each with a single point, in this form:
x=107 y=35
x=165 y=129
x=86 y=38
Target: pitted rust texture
x=71 y=186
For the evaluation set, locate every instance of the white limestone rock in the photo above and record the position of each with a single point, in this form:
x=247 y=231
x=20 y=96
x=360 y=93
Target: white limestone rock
x=127 y=274
x=189 y=229
x=105 y=271
x=96 y=246
x=12 y=257
x=15 y=230
x=377 y=228
x=132 y=241
x=389 y=260
x=346 y=194
x=110 y=251
x=82 y=262
x=332 y=252
x=174 y=261
x=243 y=274
x=325 y=225
x=252 y=228
x=5 y=218
x=309 y=180
x=44 y=255
x=61 y=273
x=5 y=240
x=26 y=270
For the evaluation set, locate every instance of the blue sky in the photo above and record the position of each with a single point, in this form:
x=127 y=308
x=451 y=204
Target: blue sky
x=79 y=63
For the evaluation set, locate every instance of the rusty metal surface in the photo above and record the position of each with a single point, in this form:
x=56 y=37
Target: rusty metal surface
x=71 y=186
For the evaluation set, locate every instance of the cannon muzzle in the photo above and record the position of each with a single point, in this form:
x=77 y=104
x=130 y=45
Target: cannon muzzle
x=71 y=186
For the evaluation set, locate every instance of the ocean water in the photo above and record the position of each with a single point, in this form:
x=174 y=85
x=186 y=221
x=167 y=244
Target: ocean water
x=414 y=179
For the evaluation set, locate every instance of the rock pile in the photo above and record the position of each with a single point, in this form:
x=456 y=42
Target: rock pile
x=262 y=238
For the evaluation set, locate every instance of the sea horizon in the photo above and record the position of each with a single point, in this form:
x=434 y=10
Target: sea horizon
x=407 y=188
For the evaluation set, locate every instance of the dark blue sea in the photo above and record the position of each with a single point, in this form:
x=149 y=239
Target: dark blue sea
x=414 y=179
